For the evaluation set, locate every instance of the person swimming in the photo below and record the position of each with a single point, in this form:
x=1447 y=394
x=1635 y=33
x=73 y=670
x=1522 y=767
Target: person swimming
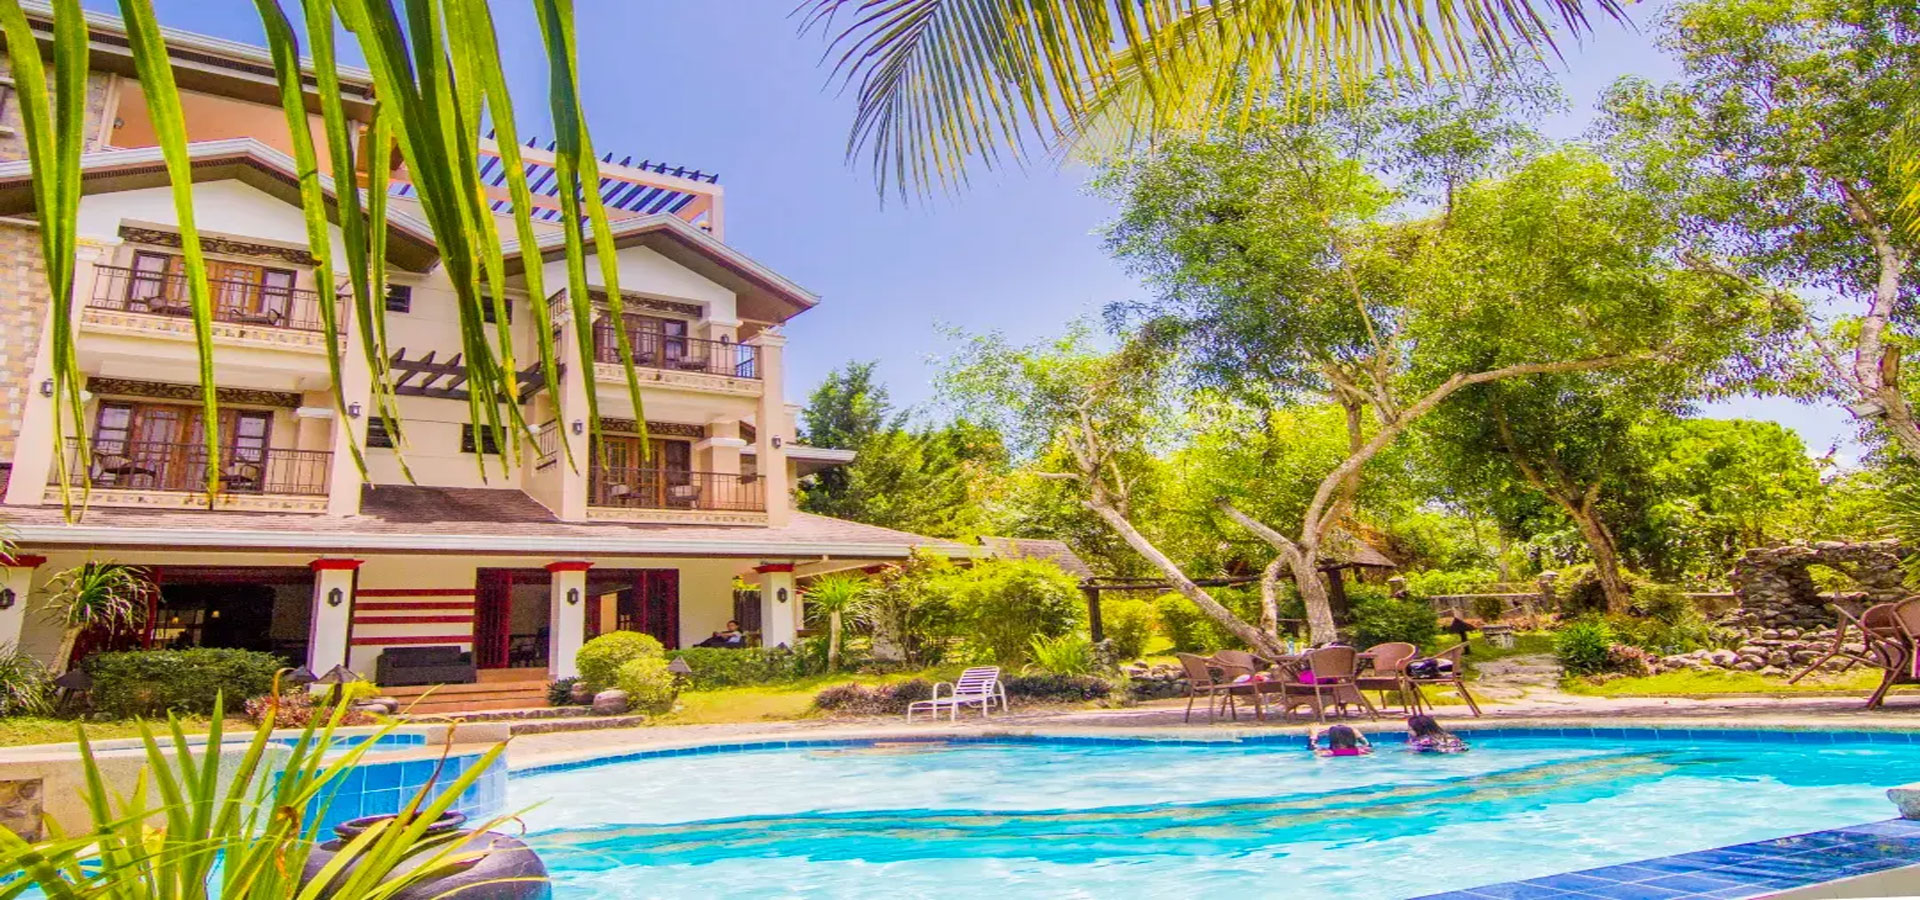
x=1342 y=740
x=1425 y=735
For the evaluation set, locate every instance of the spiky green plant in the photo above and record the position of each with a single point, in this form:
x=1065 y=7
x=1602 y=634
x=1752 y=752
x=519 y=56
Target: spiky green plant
x=192 y=828
x=436 y=71
x=837 y=596
x=103 y=596
x=26 y=687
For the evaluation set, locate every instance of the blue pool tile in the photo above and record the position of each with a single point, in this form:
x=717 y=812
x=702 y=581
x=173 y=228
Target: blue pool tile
x=1695 y=883
x=1633 y=891
x=1888 y=828
x=1571 y=881
x=1610 y=734
x=1631 y=872
x=381 y=776
x=1671 y=865
x=1521 y=890
x=1812 y=737
x=1456 y=895
x=1645 y=734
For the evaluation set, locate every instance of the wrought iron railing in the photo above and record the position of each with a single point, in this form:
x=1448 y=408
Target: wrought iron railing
x=237 y=302
x=546 y=444
x=653 y=350
x=158 y=466
x=649 y=487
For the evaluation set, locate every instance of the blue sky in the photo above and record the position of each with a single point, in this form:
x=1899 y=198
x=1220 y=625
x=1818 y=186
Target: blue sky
x=732 y=87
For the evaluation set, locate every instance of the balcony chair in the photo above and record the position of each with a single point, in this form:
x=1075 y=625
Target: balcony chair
x=120 y=466
x=684 y=496
x=691 y=363
x=241 y=476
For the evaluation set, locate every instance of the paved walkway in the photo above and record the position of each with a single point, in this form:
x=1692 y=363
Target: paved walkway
x=1541 y=708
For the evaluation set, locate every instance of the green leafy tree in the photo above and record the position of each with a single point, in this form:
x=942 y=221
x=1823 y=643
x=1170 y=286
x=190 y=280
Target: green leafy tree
x=1719 y=486
x=838 y=597
x=1773 y=152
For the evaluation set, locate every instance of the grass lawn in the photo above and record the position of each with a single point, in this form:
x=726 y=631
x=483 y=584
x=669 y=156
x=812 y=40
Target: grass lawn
x=774 y=702
x=1478 y=650
x=1685 y=684
x=15 y=732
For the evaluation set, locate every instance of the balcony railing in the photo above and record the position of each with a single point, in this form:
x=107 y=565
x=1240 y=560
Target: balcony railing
x=653 y=350
x=158 y=466
x=640 y=487
x=237 y=302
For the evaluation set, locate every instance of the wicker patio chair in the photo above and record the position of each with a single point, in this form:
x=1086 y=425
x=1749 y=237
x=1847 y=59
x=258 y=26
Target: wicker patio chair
x=1387 y=671
x=1206 y=678
x=1455 y=676
x=1334 y=669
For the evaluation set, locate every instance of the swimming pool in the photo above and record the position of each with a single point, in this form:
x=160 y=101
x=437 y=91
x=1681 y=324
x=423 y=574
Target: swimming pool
x=1038 y=818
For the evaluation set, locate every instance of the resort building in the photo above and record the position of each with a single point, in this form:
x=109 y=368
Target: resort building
x=437 y=542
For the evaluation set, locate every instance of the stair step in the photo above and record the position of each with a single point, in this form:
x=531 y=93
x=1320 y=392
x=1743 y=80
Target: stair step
x=436 y=707
x=452 y=690
x=524 y=714
x=592 y=723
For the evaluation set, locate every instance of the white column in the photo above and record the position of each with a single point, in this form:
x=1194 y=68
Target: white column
x=16 y=585
x=328 y=631
x=34 y=447
x=344 y=477
x=771 y=427
x=779 y=605
x=571 y=412
x=566 y=616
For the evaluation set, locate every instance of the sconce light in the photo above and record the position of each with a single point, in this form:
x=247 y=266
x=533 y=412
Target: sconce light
x=46 y=388
x=353 y=410
x=573 y=596
x=579 y=427
x=776 y=442
x=7 y=596
x=336 y=597
x=780 y=595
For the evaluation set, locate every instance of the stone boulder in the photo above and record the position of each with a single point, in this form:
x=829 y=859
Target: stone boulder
x=610 y=703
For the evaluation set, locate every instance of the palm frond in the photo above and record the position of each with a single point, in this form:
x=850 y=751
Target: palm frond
x=942 y=84
x=1906 y=169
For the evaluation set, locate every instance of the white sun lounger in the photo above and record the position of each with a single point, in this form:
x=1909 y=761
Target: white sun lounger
x=977 y=687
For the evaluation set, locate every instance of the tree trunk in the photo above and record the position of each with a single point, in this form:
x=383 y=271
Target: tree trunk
x=1306 y=576
x=1606 y=557
x=68 y=638
x=1251 y=636
x=1270 y=598
x=833 y=641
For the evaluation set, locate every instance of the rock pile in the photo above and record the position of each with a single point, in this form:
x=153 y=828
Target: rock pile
x=1155 y=682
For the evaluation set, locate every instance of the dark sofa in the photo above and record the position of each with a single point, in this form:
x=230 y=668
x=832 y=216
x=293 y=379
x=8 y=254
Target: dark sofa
x=437 y=664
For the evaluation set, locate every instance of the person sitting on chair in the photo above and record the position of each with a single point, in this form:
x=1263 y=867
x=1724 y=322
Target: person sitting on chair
x=730 y=636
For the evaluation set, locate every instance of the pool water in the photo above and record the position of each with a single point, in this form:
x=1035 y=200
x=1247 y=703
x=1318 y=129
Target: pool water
x=1077 y=820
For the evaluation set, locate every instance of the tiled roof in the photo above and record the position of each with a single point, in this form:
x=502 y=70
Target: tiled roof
x=1056 y=552
x=399 y=518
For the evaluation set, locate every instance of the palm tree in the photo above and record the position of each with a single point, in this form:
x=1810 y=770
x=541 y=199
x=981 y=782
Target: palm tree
x=941 y=84
x=107 y=596
x=838 y=596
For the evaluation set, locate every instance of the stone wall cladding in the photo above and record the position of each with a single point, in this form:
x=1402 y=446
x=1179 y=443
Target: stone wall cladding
x=23 y=309
x=13 y=139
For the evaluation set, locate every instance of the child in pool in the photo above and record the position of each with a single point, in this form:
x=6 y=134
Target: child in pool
x=1424 y=735
x=1342 y=740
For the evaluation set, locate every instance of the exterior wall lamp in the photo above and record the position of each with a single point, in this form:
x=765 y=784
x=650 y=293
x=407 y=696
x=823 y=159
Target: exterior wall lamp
x=336 y=597
x=579 y=426
x=353 y=410
x=7 y=597
x=780 y=595
x=46 y=388
x=573 y=596
x=776 y=442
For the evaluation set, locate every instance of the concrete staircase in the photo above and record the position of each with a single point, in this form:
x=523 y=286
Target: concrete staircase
x=444 y=699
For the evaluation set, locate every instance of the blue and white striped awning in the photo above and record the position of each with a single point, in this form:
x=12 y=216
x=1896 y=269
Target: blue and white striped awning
x=619 y=194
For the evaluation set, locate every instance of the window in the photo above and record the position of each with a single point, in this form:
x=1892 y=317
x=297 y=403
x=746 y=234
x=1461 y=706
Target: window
x=486 y=307
x=490 y=442
x=399 y=298
x=377 y=433
x=6 y=102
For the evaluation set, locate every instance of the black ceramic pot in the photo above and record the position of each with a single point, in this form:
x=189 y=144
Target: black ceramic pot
x=480 y=879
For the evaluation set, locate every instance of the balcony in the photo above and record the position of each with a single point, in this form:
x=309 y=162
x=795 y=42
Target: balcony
x=235 y=302
x=669 y=353
x=154 y=473
x=652 y=488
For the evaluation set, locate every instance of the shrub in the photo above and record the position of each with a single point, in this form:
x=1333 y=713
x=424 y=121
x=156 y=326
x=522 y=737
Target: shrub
x=1435 y=582
x=297 y=708
x=1182 y=622
x=1629 y=660
x=1666 y=603
x=724 y=667
x=1068 y=654
x=1488 y=609
x=1002 y=605
x=650 y=687
x=152 y=682
x=860 y=700
x=1379 y=619
x=1129 y=625
x=26 y=687
x=1060 y=688
x=600 y=659
x=1582 y=645
x=560 y=692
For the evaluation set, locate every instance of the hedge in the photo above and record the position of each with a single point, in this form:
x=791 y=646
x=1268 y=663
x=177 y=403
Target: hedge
x=725 y=667
x=153 y=682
